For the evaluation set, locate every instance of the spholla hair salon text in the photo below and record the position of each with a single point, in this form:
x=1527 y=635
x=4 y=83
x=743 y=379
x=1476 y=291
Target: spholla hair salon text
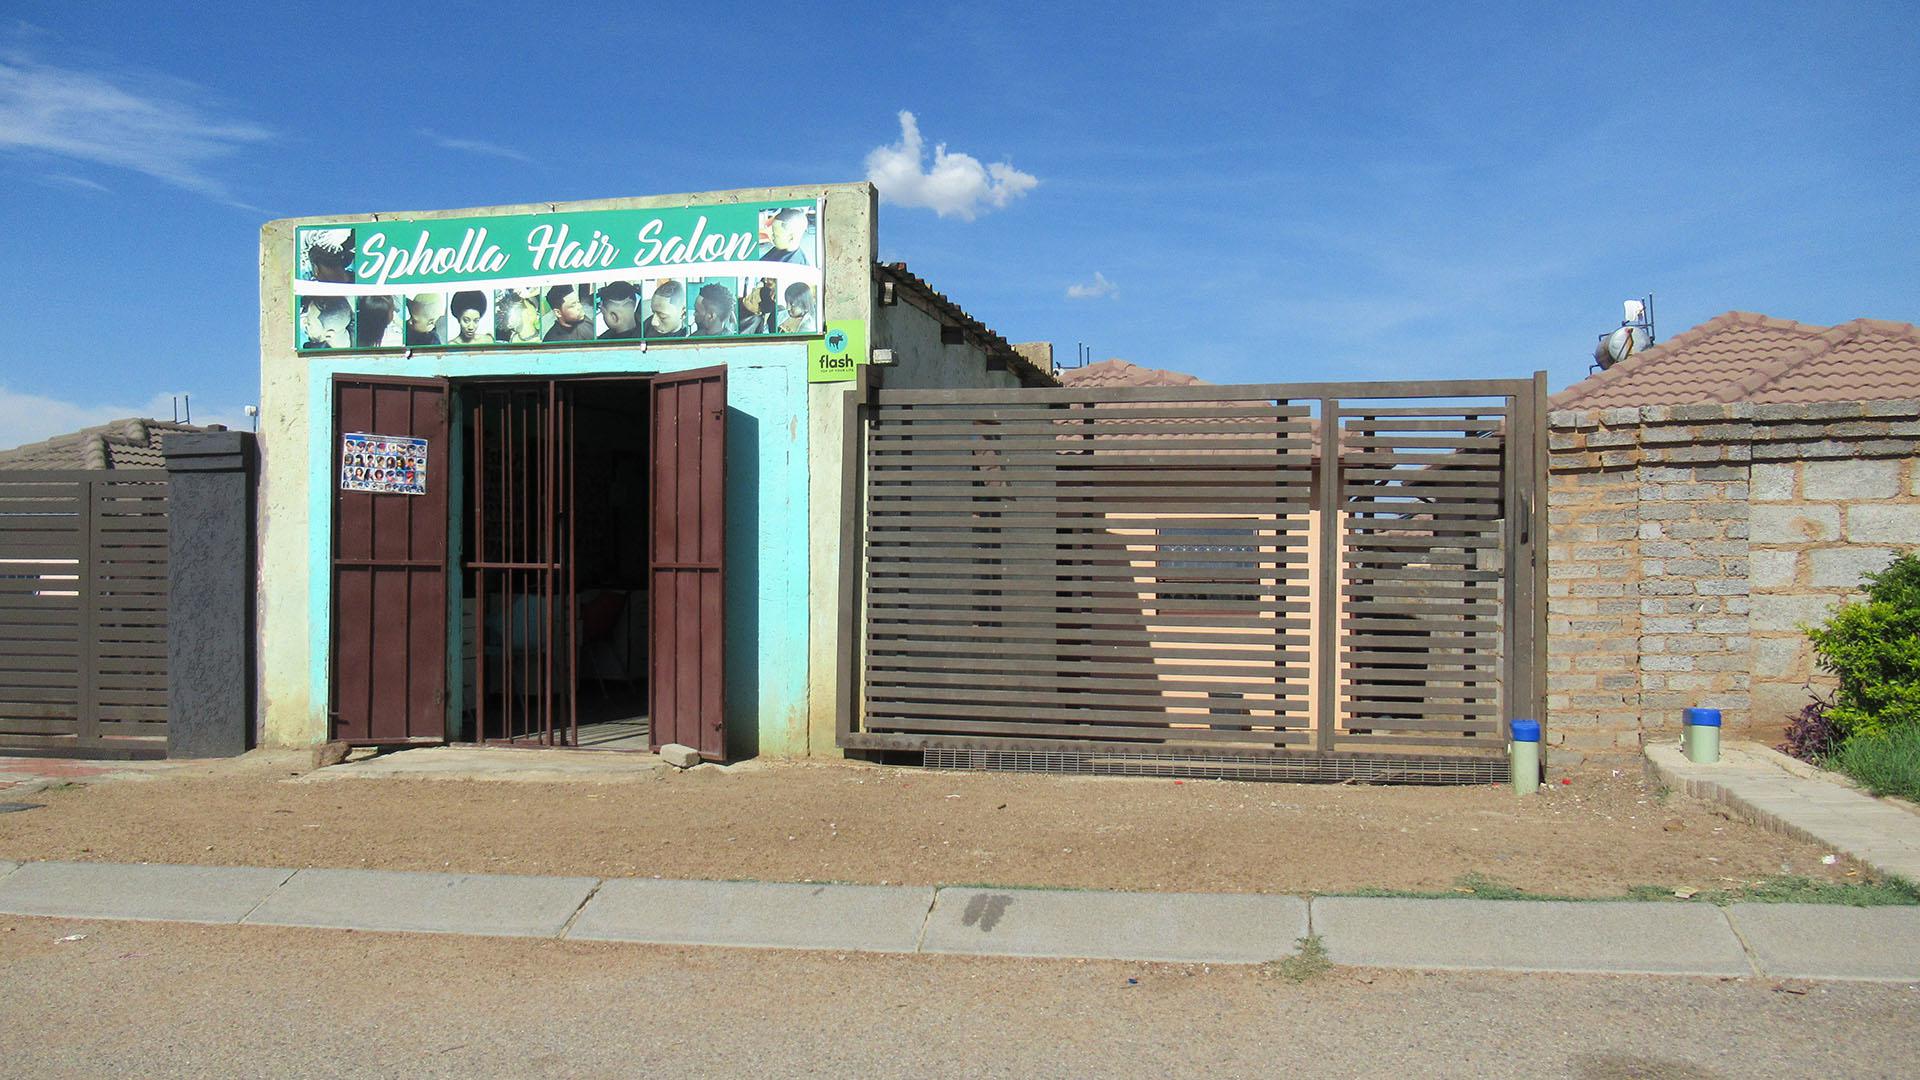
x=684 y=273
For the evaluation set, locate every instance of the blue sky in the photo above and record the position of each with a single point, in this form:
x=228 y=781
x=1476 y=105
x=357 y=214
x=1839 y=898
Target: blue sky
x=1246 y=192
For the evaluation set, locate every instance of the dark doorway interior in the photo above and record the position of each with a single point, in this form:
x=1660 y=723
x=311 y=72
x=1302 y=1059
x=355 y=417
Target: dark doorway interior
x=554 y=582
x=611 y=443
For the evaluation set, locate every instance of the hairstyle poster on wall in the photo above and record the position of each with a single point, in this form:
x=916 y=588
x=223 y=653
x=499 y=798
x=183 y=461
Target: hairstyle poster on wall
x=383 y=464
x=727 y=272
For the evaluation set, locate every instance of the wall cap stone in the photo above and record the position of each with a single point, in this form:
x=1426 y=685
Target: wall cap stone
x=207 y=451
x=1813 y=411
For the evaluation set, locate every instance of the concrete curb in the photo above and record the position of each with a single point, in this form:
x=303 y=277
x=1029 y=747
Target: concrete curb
x=1802 y=941
x=1210 y=928
x=484 y=905
x=1613 y=937
x=1768 y=940
x=747 y=914
x=147 y=892
x=1798 y=802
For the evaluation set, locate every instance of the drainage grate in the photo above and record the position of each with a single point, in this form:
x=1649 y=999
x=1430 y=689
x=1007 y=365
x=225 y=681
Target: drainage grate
x=1300 y=769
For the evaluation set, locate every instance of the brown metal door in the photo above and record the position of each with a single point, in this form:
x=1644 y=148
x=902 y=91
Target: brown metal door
x=389 y=655
x=525 y=613
x=687 y=556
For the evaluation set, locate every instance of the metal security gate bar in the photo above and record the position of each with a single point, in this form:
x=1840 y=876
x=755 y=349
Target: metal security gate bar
x=525 y=609
x=83 y=613
x=1208 y=580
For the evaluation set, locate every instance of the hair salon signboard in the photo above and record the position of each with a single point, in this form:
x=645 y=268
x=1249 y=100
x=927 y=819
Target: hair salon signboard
x=740 y=271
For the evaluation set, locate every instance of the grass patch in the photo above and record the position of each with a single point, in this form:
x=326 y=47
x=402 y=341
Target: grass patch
x=1796 y=890
x=1884 y=765
x=1310 y=962
x=1773 y=890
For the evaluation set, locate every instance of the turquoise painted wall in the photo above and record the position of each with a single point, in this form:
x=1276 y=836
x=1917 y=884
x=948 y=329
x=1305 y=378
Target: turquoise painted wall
x=766 y=512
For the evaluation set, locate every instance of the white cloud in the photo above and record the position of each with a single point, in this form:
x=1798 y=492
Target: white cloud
x=147 y=125
x=1092 y=290
x=956 y=184
x=475 y=146
x=26 y=418
x=78 y=181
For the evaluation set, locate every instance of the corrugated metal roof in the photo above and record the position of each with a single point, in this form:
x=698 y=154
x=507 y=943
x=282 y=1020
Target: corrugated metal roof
x=133 y=443
x=1743 y=356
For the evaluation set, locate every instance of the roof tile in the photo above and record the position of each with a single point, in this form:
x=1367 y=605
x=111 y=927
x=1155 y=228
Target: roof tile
x=1743 y=356
x=133 y=443
x=1117 y=372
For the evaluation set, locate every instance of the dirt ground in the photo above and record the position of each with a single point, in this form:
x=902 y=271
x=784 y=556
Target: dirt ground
x=1598 y=834
x=170 y=999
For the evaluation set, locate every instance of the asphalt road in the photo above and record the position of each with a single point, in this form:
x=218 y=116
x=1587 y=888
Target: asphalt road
x=135 y=999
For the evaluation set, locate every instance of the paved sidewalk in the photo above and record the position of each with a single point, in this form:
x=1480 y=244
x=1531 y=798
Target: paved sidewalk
x=1766 y=940
x=1777 y=792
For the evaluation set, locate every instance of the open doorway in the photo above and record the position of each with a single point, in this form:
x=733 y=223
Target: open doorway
x=610 y=560
x=555 y=571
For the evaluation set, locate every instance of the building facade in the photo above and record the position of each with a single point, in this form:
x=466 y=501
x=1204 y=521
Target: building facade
x=1709 y=499
x=527 y=469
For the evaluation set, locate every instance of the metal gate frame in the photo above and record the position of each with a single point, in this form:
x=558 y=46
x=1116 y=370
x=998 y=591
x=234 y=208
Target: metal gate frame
x=686 y=555
x=83 y=612
x=527 y=559
x=1347 y=427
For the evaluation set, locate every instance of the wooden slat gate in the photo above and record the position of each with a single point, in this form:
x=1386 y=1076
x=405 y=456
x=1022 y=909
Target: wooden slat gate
x=83 y=612
x=1271 y=580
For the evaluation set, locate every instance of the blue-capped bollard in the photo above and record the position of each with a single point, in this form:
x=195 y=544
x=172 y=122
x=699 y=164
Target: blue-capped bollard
x=1701 y=736
x=1523 y=756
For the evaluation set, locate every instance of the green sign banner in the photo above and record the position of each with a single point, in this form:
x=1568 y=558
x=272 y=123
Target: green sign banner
x=836 y=357
x=736 y=271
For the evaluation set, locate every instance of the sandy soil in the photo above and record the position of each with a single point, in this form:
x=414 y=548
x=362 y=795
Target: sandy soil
x=1596 y=834
x=163 y=1000
x=1600 y=833
x=173 y=1000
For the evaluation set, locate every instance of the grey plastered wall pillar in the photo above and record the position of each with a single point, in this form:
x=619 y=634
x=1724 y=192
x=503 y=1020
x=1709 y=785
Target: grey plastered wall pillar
x=210 y=594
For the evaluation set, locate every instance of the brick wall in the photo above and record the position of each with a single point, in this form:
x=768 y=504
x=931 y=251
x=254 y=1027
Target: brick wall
x=1688 y=543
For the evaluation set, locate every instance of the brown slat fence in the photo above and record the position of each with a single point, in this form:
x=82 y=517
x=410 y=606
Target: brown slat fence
x=83 y=612
x=1219 y=579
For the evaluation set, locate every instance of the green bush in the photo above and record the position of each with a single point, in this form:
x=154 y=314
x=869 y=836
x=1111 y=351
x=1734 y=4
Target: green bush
x=1873 y=647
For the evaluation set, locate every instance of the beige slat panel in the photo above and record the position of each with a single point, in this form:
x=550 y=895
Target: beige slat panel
x=1086 y=525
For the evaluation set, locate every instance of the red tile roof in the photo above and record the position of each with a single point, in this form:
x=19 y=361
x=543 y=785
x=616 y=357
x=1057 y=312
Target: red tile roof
x=124 y=444
x=1118 y=372
x=1742 y=356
